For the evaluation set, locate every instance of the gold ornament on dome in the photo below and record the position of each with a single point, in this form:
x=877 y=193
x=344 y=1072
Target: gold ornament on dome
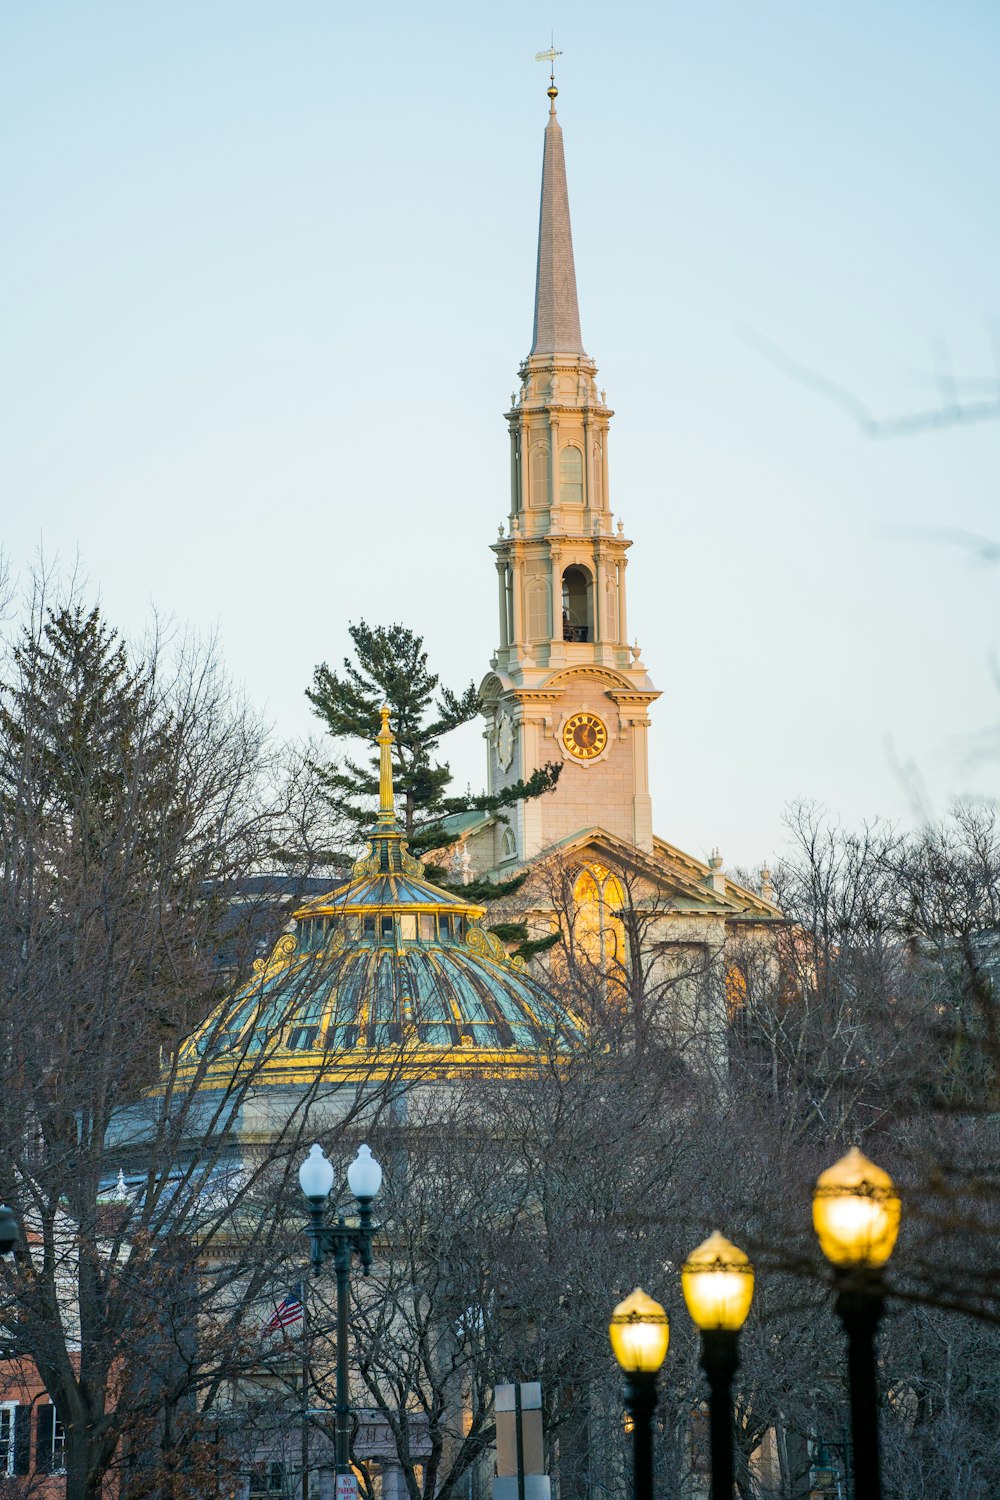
x=584 y=736
x=488 y=945
x=278 y=958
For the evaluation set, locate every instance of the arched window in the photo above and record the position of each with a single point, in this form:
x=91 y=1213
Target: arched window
x=736 y=994
x=571 y=476
x=539 y=489
x=536 y=604
x=598 y=928
x=508 y=848
x=576 y=604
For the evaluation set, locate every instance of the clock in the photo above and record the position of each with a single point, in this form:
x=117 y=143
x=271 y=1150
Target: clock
x=584 y=735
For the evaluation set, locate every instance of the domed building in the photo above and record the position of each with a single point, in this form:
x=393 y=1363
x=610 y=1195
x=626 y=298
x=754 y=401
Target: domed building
x=387 y=976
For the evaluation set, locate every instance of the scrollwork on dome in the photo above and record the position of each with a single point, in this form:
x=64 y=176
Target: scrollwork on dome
x=411 y=865
x=488 y=945
x=367 y=865
x=278 y=958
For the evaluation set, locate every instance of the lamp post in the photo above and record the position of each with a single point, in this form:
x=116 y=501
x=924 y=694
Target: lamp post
x=856 y=1212
x=640 y=1333
x=717 y=1281
x=341 y=1241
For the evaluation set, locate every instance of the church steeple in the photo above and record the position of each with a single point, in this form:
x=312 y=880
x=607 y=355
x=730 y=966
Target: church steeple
x=565 y=681
x=557 y=314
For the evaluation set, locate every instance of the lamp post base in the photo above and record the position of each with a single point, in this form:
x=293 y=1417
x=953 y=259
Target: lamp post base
x=859 y=1307
x=720 y=1360
x=640 y=1403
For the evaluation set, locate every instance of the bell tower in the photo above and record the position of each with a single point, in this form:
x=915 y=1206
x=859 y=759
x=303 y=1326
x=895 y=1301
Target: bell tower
x=565 y=683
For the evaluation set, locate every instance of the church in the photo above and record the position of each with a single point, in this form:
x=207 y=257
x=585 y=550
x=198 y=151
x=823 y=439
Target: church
x=564 y=683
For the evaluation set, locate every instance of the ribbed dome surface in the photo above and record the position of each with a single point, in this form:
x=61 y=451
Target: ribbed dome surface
x=385 y=974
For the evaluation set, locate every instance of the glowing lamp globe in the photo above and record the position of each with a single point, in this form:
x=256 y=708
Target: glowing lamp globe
x=717 y=1281
x=640 y=1333
x=364 y=1175
x=316 y=1174
x=856 y=1212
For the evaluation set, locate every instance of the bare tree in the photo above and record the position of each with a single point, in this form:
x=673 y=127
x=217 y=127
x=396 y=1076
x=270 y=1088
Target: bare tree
x=135 y=796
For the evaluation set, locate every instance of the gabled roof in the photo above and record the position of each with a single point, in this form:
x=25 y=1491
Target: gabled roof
x=666 y=867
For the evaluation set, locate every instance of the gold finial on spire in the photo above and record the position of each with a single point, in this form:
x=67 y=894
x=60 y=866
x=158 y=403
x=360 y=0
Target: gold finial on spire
x=549 y=55
x=386 y=800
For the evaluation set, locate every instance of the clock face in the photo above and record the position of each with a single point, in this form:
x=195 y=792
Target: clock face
x=584 y=736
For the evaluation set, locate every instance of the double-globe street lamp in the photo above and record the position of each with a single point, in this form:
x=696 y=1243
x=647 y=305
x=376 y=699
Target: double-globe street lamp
x=640 y=1333
x=717 y=1281
x=856 y=1213
x=341 y=1241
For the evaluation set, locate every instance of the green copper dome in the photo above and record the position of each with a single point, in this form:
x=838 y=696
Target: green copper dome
x=387 y=974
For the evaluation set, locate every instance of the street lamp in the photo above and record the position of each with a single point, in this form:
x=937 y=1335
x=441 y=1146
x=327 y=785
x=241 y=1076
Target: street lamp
x=640 y=1333
x=856 y=1212
x=717 y=1281
x=341 y=1241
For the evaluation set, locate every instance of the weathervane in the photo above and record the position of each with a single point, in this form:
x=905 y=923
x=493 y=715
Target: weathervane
x=549 y=55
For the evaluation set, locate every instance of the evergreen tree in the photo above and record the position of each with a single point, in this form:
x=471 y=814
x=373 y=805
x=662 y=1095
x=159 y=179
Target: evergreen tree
x=133 y=797
x=390 y=666
x=88 y=758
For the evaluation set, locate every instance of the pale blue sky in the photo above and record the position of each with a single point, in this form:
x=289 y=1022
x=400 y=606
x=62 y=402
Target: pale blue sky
x=268 y=274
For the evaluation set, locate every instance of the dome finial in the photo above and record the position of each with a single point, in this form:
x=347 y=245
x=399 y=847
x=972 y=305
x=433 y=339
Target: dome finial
x=386 y=799
x=549 y=55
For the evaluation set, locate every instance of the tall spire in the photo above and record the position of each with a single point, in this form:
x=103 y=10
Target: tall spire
x=557 y=316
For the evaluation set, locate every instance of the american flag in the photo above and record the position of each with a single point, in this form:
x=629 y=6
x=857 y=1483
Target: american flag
x=289 y=1312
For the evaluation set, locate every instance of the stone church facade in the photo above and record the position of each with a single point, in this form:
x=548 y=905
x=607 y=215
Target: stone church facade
x=564 y=684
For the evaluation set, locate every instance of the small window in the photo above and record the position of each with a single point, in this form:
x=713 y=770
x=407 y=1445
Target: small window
x=426 y=928
x=267 y=1479
x=571 y=476
x=509 y=848
x=445 y=924
x=13 y=1424
x=408 y=928
x=369 y=926
x=301 y=1038
x=388 y=927
x=50 y=1441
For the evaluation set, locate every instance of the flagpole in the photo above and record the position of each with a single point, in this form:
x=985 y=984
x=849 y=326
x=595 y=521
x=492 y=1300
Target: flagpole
x=305 y=1392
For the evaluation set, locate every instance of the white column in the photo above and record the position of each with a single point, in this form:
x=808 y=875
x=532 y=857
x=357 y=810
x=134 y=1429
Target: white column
x=622 y=621
x=605 y=492
x=600 y=604
x=515 y=507
x=502 y=582
x=642 y=803
x=517 y=633
x=553 y=461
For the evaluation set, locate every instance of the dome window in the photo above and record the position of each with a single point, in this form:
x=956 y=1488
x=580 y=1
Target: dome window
x=426 y=927
x=408 y=927
x=301 y=1038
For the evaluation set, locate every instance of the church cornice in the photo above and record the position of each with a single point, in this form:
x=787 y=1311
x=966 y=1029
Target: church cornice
x=634 y=700
x=618 y=684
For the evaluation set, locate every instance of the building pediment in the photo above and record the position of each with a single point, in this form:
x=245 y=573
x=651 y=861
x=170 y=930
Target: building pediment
x=671 y=874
